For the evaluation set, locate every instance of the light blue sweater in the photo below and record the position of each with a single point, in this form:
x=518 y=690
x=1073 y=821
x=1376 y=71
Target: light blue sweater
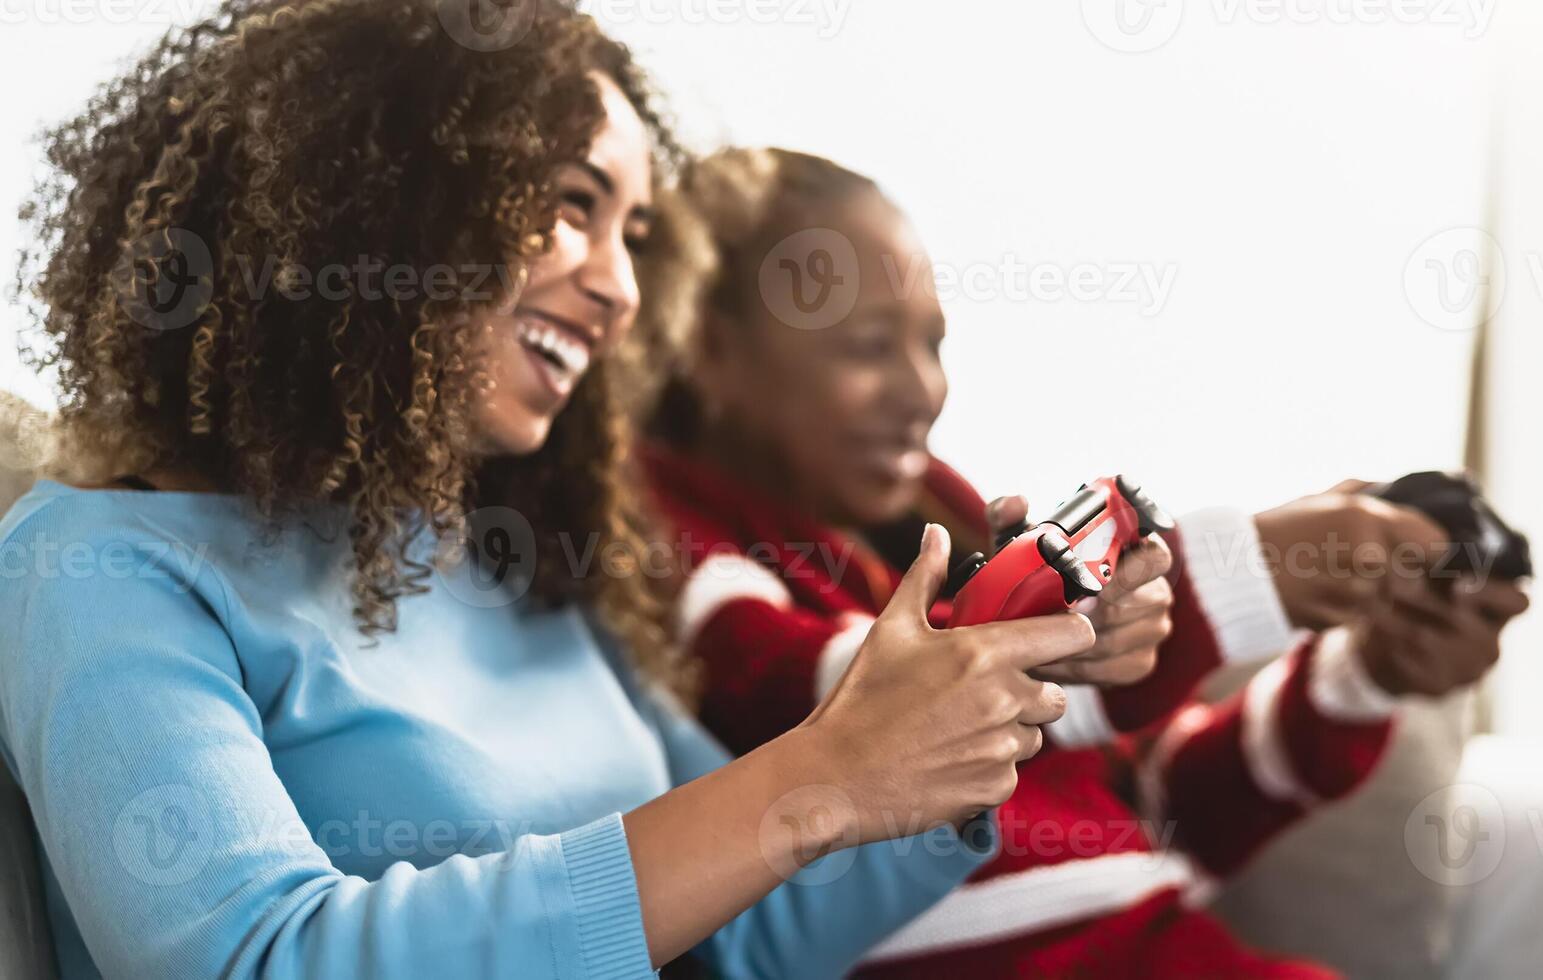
x=227 y=781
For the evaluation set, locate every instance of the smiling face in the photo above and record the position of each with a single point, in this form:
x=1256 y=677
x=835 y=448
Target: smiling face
x=581 y=296
x=843 y=411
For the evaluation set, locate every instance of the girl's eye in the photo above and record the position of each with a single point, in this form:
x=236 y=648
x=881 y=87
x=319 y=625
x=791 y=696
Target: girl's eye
x=636 y=244
x=867 y=345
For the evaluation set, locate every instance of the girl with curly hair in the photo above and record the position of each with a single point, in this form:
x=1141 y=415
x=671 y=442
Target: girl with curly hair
x=331 y=649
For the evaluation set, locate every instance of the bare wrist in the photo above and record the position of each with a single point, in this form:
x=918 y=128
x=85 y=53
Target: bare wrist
x=813 y=810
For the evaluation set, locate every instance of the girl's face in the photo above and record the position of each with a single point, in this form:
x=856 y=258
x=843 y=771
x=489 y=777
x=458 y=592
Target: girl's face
x=582 y=295
x=844 y=410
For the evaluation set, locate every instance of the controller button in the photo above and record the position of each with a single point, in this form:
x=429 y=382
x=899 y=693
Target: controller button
x=1007 y=534
x=964 y=571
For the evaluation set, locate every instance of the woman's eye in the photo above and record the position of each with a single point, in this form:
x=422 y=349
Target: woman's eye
x=577 y=206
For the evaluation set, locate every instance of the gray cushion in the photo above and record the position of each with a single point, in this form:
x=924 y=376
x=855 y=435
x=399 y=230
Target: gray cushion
x=26 y=949
x=1341 y=887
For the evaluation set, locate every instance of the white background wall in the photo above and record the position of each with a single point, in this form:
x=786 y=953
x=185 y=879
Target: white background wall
x=1280 y=164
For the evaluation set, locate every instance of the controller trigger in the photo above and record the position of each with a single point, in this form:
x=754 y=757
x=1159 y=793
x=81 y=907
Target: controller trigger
x=1150 y=517
x=1076 y=581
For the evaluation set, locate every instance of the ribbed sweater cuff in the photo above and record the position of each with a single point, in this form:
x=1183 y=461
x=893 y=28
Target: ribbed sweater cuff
x=606 y=906
x=1340 y=687
x=1233 y=584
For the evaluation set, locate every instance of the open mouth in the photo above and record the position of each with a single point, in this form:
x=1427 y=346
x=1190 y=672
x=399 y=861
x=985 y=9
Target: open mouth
x=560 y=356
x=893 y=457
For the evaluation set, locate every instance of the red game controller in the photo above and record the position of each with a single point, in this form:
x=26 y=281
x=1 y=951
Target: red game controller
x=1043 y=568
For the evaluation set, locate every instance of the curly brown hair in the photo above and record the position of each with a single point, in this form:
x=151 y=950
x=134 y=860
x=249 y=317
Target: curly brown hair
x=302 y=136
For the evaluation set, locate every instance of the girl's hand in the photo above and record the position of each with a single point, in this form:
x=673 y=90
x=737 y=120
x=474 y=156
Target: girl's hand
x=928 y=726
x=1130 y=617
x=1432 y=644
x=1336 y=556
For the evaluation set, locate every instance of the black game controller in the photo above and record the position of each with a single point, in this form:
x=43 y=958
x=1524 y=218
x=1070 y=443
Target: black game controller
x=1481 y=541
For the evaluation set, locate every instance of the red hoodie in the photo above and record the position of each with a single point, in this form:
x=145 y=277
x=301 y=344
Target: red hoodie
x=1143 y=795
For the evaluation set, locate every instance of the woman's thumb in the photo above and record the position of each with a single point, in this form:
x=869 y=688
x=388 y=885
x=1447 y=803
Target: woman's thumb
x=917 y=590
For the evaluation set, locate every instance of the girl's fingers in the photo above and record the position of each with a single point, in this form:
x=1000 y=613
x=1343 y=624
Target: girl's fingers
x=1152 y=599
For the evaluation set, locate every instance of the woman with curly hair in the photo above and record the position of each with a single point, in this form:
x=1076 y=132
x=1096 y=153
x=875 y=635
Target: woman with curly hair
x=330 y=648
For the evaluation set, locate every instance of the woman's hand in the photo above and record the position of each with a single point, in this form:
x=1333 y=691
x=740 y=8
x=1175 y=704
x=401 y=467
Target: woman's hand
x=1131 y=617
x=1335 y=555
x=927 y=726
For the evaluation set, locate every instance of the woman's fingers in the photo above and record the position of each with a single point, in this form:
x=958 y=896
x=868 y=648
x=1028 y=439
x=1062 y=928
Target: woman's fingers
x=1112 y=671
x=1145 y=633
x=1031 y=740
x=1024 y=644
x=1039 y=702
x=922 y=581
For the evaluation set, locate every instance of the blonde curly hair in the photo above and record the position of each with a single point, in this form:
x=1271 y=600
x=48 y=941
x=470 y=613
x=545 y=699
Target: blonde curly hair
x=726 y=213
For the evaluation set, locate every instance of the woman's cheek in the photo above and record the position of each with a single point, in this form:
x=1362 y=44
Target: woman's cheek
x=565 y=255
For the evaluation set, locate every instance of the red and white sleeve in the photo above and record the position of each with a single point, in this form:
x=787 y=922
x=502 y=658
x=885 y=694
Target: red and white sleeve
x=1226 y=611
x=1307 y=728
x=767 y=663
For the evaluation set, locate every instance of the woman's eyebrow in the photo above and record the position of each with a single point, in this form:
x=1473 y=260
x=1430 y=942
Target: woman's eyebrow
x=600 y=176
x=638 y=213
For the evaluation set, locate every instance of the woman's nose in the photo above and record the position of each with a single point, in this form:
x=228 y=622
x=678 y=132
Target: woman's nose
x=609 y=278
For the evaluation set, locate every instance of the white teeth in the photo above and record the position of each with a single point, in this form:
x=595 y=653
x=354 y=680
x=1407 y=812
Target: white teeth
x=573 y=355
